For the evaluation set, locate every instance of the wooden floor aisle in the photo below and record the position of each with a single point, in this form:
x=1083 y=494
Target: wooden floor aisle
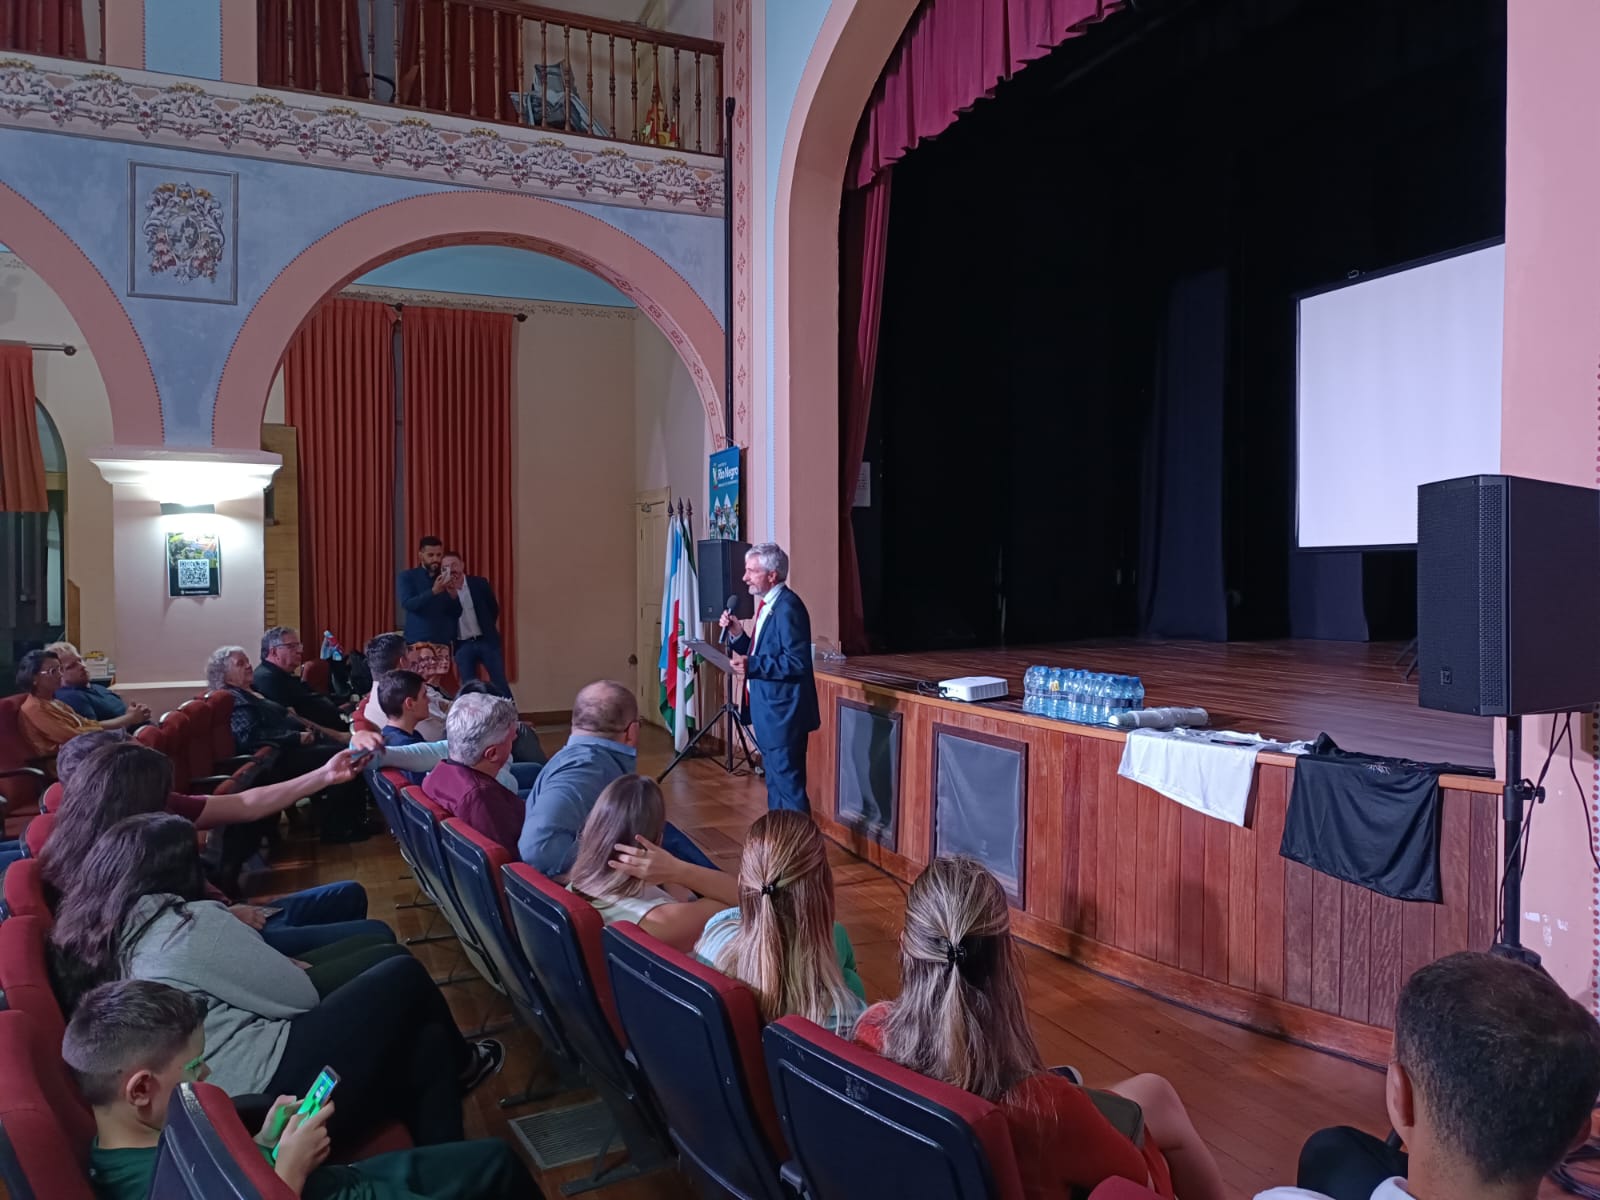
x=1253 y=1098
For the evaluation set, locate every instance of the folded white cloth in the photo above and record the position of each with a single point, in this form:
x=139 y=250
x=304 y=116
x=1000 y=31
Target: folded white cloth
x=1206 y=770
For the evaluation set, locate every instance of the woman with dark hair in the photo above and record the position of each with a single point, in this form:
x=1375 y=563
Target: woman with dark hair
x=47 y=724
x=136 y=913
x=118 y=778
x=961 y=1018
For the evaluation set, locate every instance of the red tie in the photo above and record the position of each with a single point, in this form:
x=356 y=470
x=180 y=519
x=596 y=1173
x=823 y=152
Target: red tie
x=753 y=628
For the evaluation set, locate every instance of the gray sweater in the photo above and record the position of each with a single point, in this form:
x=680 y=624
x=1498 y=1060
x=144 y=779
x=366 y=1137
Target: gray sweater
x=251 y=991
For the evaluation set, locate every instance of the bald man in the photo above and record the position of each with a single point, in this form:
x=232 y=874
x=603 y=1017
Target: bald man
x=603 y=746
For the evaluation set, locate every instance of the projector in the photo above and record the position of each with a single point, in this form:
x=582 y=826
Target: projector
x=973 y=687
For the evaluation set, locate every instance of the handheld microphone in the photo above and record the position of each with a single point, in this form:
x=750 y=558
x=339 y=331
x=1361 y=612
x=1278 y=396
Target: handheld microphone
x=733 y=602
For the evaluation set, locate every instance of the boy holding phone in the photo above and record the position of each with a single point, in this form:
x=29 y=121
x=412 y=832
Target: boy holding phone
x=130 y=1043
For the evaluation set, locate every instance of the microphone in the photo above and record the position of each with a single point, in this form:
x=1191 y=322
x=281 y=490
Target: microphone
x=733 y=602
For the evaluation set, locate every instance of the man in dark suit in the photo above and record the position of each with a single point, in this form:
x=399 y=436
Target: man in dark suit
x=431 y=608
x=477 y=637
x=278 y=678
x=776 y=660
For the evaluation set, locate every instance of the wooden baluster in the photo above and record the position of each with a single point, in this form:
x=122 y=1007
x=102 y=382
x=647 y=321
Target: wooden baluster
x=716 y=110
x=38 y=26
x=566 y=62
x=102 y=30
x=6 y=33
x=544 y=69
x=316 y=45
x=677 y=99
x=633 y=55
x=345 y=81
x=589 y=59
x=445 y=62
x=516 y=54
x=699 y=123
x=472 y=61
x=499 y=92
x=288 y=40
x=613 y=38
x=398 y=16
x=372 y=48
x=656 y=103
x=422 y=54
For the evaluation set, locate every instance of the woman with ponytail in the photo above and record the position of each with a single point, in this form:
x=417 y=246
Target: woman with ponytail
x=960 y=1018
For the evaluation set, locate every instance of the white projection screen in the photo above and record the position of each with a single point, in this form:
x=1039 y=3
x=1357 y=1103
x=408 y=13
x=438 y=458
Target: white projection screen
x=1398 y=385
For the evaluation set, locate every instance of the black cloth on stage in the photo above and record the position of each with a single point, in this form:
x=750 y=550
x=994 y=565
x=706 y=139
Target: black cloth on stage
x=1368 y=820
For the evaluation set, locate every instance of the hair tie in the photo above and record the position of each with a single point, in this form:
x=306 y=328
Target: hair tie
x=955 y=954
x=768 y=889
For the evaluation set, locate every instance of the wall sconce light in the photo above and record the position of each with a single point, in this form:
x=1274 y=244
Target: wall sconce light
x=175 y=510
x=188 y=477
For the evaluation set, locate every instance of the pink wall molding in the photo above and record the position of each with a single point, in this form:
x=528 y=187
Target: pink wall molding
x=108 y=333
x=454 y=219
x=147 y=108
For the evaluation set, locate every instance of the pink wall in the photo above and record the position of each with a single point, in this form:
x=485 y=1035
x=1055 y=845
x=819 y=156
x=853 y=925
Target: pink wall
x=1550 y=420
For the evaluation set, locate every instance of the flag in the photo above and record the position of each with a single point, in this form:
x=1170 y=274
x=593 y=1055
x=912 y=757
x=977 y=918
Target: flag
x=680 y=609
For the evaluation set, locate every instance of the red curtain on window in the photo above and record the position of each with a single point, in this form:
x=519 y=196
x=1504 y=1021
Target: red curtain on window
x=457 y=367
x=467 y=66
x=51 y=27
x=313 y=46
x=951 y=55
x=21 y=459
x=338 y=391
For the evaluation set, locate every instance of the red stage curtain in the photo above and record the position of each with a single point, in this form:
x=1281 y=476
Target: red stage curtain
x=863 y=237
x=51 y=27
x=329 y=51
x=21 y=459
x=952 y=54
x=468 y=69
x=338 y=393
x=457 y=367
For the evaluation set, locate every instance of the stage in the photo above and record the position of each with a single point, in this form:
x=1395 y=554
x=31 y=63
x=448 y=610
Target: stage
x=1136 y=885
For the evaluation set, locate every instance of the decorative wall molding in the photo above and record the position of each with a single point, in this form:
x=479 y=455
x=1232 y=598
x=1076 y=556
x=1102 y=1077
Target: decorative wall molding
x=149 y=109
x=504 y=304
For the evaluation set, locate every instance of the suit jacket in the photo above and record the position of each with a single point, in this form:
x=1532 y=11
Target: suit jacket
x=289 y=690
x=485 y=605
x=783 y=691
x=430 y=616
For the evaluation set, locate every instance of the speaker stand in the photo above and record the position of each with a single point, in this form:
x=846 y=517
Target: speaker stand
x=1519 y=793
x=1408 y=655
x=736 y=729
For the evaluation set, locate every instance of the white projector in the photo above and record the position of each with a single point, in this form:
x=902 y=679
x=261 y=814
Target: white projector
x=973 y=687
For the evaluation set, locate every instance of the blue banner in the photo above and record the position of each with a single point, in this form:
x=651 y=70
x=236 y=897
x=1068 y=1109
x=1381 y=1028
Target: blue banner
x=724 y=521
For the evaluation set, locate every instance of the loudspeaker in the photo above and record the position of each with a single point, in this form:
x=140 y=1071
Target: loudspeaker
x=721 y=566
x=1508 y=583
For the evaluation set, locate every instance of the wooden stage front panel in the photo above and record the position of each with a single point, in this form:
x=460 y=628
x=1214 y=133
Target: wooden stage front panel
x=1190 y=907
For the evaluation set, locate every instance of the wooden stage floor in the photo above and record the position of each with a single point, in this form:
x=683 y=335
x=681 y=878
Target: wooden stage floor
x=1288 y=690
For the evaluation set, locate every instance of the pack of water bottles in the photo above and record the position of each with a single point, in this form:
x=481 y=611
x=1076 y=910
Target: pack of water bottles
x=1071 y=694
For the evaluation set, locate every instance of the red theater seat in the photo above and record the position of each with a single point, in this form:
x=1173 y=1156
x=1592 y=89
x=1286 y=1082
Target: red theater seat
x=35 y=832
x=25 y=976
x=45 y=1127
x=24 y=891
x=206 y=1152
x=21 y=780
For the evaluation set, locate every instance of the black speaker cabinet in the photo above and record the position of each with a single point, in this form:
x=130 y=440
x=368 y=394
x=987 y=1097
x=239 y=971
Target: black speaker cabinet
x=1508 y=596
x=721 y=567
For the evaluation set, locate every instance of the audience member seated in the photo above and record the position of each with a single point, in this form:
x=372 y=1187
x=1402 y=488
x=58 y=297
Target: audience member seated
x=630 y=812
x=91 y=700
x=386 y=653
x=479 y=730
x=960 y=1018
x=1494 y=1077
x=258 y=721
x=782 y=941
x=135 y=911
x=526 y=751
x=105 y=778
x=278 y=679
x=402 y=697
x=603 y=747
x=48 y=724
x=131 y=1043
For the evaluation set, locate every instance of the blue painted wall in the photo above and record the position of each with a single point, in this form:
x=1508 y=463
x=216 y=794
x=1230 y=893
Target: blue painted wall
x=184 y=37
x=496 y=271
x=792 y=27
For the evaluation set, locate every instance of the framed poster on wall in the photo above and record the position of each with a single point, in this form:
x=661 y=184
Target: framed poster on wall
x=724 y=496
x=194 y=564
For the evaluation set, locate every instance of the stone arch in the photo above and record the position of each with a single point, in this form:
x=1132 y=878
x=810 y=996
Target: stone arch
x=453 y=219
x=107 y=332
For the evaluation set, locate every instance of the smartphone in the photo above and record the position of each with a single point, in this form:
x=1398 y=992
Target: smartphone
x=358 y=758
x=269 y=912
x=327 y=1080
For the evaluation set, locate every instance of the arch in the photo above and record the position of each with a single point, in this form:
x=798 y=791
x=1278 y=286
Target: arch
x=107 y=332
x=452 y=219
x=855 y=41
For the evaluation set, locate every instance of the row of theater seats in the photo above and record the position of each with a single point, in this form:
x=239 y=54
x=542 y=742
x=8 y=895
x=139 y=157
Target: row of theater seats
x=677 y=1052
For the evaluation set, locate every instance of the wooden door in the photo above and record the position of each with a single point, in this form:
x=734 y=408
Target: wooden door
x=650 y=527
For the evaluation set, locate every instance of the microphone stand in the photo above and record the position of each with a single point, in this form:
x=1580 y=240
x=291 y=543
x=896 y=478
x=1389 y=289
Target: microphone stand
x=736 y=728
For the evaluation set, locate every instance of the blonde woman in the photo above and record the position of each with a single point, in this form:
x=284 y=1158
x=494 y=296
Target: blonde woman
x=961 y=1018
x=630 y=816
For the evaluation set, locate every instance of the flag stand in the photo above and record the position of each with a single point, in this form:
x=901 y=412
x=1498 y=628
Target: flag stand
x=729 y=712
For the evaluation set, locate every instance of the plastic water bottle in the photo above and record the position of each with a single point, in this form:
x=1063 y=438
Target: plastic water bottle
x=1074 y=700
x=1030 y=684
x=1099 y=699
x=1136 y=693
x=330 y=648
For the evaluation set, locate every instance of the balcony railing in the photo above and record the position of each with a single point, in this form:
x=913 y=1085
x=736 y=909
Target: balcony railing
x=501 y=61
x=74 y=29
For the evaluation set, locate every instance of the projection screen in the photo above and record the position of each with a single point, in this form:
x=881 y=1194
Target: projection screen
x=1398 y=384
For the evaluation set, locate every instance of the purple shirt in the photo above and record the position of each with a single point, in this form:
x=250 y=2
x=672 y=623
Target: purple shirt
x=478 y=800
